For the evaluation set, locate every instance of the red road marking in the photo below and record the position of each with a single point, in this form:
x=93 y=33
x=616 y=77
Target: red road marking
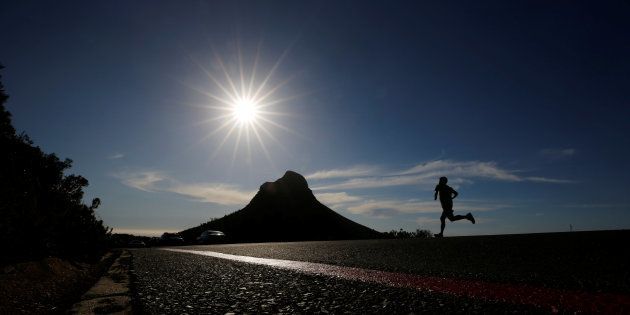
x=546 y=298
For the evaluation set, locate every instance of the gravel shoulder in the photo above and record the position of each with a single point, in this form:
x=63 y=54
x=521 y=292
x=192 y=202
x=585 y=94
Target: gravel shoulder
x=48 y=286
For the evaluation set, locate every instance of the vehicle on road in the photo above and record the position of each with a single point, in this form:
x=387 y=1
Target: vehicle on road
x=136 y=244
x=211 y=237
x=171 y=239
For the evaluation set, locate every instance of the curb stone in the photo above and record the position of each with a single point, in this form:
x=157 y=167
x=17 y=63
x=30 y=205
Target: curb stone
x=111 y=294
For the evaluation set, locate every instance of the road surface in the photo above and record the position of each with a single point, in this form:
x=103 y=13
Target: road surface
x=514 y=274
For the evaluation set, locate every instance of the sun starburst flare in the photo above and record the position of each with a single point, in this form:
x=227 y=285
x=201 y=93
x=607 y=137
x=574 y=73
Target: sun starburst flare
x=245 y=111
x=242 y=106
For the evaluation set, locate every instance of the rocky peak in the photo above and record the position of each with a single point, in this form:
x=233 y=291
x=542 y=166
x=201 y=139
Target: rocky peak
x=294 y=180
x=290 y=183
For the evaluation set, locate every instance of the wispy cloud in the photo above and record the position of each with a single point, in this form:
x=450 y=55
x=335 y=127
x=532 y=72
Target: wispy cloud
x=373 y=182
x=427 y=174
x=549 y=180
x=155 y=181
x=556 y=154
x=595 y=205
x=464 y=169
x=387 y=208
x=146 y=181
x=355 y=171
x=336 y=198
x=214 y=193
x=116 y=156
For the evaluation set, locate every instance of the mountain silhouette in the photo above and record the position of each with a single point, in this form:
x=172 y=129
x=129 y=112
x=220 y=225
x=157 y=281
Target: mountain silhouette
x=285 y=210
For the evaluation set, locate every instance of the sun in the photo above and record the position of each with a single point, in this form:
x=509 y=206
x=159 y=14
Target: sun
x=245 y=111
x=243 y=105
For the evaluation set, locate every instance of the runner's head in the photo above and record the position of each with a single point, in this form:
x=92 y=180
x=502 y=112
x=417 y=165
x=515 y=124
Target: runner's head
x=443 y=180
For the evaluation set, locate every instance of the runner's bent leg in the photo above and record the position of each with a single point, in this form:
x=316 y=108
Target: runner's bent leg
x=458 y=217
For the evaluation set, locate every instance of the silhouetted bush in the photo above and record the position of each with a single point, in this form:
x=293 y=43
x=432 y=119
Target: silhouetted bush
x=405 y=234
x=41 y=208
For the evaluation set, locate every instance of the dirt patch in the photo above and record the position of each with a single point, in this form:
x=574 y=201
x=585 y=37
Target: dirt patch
x=50 y=285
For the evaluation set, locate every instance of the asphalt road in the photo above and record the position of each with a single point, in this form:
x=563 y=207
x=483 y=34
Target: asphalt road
x=172 y=282
x=591 y=261
x=179 y=283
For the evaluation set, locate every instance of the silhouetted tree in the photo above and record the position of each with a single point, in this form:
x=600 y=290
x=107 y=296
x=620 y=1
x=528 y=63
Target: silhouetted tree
x=41 y=209
x=6 y=129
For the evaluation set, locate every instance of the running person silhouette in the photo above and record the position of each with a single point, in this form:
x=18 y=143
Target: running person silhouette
x=447 y=194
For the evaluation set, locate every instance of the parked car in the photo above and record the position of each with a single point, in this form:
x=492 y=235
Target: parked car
x=171 y=239
x=136 y=243
x=211 y=237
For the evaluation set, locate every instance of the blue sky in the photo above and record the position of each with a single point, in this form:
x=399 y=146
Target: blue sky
x=523 y=105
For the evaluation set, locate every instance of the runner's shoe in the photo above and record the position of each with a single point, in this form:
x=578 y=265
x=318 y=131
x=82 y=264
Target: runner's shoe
x=438 y=235
x=470 y=217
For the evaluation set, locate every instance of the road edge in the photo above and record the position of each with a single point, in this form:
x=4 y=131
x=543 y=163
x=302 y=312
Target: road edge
x=112 y=292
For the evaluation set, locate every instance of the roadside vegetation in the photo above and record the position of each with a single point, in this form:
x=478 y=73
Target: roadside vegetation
x=41 y=205
x=406 y=234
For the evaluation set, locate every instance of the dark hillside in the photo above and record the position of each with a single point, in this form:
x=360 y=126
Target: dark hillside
x=285 y=210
